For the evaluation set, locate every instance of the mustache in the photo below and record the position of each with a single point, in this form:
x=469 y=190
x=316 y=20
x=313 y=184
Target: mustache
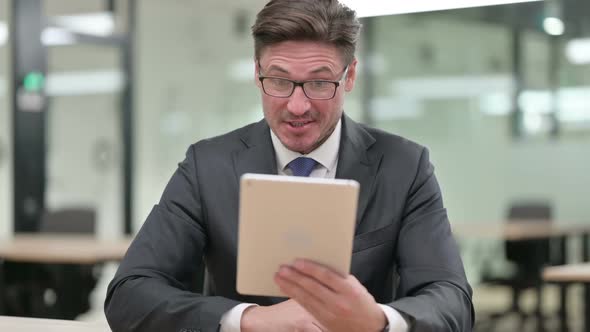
x=307 y=116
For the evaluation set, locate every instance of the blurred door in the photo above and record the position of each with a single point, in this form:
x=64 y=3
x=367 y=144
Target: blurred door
x=84 y=124
x=84 y=144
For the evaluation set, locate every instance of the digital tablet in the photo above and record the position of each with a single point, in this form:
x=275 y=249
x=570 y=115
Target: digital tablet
x=282 y=218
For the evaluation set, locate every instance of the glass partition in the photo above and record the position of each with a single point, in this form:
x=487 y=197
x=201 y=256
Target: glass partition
x=192 y=84
x=447 y=80
x=444 y=79
x=84 y=130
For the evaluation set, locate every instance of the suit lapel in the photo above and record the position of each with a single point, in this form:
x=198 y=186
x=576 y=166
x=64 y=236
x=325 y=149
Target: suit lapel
x=356 y=162
x=258 y=155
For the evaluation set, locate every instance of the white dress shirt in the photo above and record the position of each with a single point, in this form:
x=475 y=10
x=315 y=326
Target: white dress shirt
x=326 y=156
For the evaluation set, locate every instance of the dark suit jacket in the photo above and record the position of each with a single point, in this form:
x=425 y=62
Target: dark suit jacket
x=404 y=252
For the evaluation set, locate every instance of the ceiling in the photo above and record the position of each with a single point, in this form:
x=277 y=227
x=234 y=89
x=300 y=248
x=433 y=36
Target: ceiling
x=530 y=15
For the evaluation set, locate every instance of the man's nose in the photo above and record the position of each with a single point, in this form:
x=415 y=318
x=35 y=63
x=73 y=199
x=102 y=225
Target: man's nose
x=298 y=102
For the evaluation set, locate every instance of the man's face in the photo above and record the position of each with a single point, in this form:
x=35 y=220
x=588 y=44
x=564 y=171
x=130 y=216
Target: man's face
x=303 y=124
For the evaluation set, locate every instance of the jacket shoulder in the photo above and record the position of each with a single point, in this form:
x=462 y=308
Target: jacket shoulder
x=392 y=144
x=223 y=144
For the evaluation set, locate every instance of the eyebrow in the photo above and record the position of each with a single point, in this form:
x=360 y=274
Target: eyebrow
x=323 y=69
x=277 y=68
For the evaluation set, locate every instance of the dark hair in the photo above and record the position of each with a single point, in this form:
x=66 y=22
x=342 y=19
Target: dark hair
x=326 y=21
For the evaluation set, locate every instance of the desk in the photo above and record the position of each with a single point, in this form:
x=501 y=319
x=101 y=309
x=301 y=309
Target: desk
x=568 y=273
x=59 y=249
x=572 y=273
x=20 y=324
x=62 y=249
x=520 y=230
x=516 y=230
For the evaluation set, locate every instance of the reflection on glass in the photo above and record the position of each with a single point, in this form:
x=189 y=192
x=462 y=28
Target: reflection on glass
x=446 y=80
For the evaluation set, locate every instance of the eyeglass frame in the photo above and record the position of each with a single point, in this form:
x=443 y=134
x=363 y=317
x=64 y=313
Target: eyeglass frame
x=301 y=83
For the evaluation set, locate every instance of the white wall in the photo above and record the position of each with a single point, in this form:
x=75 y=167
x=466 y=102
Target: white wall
x=6 y=219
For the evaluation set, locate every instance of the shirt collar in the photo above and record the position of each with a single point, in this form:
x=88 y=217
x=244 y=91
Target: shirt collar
x=326 y=154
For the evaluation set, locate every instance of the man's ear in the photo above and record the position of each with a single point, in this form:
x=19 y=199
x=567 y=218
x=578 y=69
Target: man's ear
x=350 y=76
x=256 y=75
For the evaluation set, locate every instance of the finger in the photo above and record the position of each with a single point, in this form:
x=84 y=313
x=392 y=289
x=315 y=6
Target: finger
x=318 y=290
x=314 y=327
x=324 y=275
x=310 y=328
x=311 y=303
x=292 y=288
x=319 y=326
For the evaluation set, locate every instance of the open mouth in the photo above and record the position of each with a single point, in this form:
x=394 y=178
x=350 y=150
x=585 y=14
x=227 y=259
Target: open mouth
x=298 y=124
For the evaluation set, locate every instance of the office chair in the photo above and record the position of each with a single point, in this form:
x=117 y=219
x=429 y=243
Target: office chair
x=70 y=220
x=528 y=257
x=53 y=290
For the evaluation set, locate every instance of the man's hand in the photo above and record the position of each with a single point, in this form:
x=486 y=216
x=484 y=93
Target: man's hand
x=340 y=303
x=287 y=316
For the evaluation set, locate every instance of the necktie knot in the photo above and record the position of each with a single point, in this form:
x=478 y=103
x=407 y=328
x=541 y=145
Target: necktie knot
x=302 y=166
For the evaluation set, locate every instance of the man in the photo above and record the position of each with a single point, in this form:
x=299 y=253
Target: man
x=406 y=270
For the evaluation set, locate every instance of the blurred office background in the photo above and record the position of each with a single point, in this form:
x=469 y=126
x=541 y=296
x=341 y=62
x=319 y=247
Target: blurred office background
x=119 y=89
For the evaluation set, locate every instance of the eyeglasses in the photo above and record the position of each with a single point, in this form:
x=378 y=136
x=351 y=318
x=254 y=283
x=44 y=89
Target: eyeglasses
x=315 y=89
